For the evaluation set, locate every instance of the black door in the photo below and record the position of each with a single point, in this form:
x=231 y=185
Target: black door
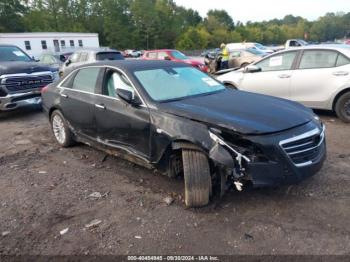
x=77 y=99
x=118 y=123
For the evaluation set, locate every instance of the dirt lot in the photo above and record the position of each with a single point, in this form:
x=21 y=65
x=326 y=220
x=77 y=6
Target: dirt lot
x=45 y=189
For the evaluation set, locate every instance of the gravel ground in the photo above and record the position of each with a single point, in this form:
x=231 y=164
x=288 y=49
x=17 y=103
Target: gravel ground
x=46 y=204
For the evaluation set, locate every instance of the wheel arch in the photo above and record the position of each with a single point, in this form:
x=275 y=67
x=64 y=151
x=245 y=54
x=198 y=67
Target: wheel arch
x=175 y=147
x=53 y=109
x=336 y=98
x=229 y=84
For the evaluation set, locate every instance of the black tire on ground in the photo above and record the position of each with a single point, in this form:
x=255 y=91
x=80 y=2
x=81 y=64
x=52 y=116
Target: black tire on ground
x=68 y=139
x=342 y=107
x=197 y=178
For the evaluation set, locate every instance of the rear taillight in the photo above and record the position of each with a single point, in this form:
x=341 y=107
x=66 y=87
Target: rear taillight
x=44 y=89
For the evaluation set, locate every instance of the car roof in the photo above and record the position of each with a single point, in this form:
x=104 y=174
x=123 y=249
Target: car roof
x=136 y=65
x=96 y=50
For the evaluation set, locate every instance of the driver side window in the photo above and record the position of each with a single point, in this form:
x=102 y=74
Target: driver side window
x=116 y=80
x=278 y=62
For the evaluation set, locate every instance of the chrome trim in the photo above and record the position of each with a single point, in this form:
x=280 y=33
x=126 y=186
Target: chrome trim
x=25 y=74
x=301 y=145
x=311 y=133
x=7 y=100
x=101 y=66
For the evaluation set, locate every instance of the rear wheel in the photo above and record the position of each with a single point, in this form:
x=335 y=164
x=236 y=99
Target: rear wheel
x=342 y=107
x=197 y=178
x=60 y=129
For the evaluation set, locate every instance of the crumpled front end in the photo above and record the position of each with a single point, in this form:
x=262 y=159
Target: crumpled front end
x=269 y=160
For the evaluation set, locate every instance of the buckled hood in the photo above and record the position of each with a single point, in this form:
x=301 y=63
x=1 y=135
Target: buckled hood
x=243 y=112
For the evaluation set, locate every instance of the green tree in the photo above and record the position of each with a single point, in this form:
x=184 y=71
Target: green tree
x=11 y=12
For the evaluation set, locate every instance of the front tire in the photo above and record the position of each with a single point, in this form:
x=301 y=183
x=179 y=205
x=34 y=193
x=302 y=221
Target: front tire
x=342 y=107
x=60 y=129
x=197 y=178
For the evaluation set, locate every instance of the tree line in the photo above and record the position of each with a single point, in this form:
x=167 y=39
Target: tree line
x=151 y=24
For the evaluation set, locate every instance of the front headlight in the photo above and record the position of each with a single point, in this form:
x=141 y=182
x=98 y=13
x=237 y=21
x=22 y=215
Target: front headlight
x=55 y=76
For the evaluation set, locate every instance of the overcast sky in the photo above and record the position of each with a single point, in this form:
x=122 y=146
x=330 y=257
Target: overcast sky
x=259 y=10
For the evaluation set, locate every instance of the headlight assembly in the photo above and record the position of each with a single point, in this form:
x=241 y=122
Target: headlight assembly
x=219 y=140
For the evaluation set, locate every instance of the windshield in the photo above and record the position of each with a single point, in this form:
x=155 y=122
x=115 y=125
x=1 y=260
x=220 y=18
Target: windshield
x=260 y=46
x=12 y=53
x=255 y=52
x=109 y=56
x=177 y=82
x=178 y=55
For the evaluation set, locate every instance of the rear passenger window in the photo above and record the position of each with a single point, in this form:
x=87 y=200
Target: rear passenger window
x=318 y=59
x=152 y=55
x=85 y=79
x=342 y=60
x=162 y=55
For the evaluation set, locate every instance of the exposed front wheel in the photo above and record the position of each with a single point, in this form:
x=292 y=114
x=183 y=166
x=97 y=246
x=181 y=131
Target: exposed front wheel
x=197 y=178
x=60 y=129
x=342 y=107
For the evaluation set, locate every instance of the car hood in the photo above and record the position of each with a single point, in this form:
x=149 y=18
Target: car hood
x=16 y=67
x=235 y=77
x=240 y=111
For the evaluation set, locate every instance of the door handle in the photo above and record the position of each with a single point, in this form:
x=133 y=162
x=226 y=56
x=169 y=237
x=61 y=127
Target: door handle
x=64 y=95
x=99 y=106
x=284 y=76
x=340 y=73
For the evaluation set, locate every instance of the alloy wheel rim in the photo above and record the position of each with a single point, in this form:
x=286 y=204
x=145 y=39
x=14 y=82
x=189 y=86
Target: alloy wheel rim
x=58 y=129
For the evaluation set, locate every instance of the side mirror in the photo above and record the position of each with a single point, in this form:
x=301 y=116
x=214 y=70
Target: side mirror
x=252 y=69
x=68 y=62
x=167 y=58
x=129 y=97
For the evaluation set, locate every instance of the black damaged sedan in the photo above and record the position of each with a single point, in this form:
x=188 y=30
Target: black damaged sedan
x=172 y=117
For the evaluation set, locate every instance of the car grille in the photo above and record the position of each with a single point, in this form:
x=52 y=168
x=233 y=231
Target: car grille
x=305 y=148
x=27 y=82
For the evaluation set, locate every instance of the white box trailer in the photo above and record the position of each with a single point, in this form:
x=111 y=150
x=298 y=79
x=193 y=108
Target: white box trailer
x=37 y=43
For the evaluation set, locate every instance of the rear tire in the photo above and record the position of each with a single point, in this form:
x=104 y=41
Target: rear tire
x=60 y=129
x=342 y=107
x=197 y=178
